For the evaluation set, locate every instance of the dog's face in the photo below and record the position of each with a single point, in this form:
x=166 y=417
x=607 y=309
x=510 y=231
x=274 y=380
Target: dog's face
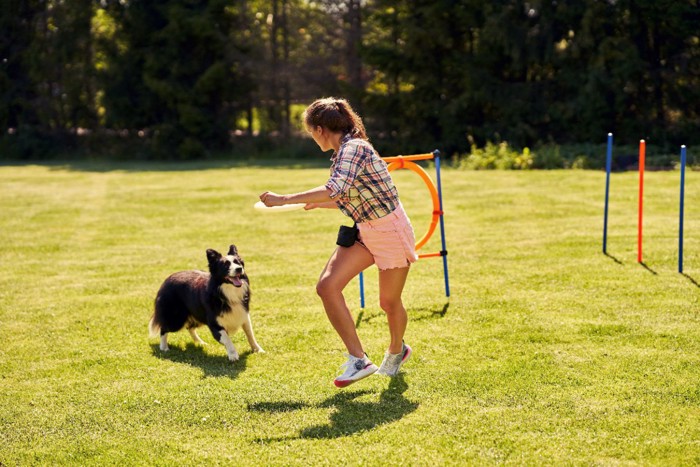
x=229 y=268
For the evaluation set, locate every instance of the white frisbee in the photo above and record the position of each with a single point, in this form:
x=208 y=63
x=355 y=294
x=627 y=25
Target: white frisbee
x=260 y=206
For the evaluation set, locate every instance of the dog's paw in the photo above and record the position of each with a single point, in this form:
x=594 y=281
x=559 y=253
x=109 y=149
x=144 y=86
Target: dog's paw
x=164 y=348
x=259 y=350
x=233 y=356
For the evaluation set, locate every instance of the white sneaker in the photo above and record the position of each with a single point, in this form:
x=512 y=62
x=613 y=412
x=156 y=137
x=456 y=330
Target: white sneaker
x=355 y=370
x=392 y=362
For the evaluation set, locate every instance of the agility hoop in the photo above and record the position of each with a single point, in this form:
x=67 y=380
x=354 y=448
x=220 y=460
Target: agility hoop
x=401 y=162
x=406 y=162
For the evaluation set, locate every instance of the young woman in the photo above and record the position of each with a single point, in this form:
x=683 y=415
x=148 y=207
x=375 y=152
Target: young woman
x=361 y=187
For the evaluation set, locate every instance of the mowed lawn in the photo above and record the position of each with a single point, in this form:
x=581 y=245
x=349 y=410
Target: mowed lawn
x=547 y=352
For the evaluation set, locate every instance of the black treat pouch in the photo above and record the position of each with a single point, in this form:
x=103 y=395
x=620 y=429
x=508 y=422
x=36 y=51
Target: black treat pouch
x=347 y=236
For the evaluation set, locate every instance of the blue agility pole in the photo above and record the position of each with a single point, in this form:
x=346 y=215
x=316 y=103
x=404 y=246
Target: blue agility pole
x=362 y=290
x=608 y=166
x=443 y=252
x=680 y=220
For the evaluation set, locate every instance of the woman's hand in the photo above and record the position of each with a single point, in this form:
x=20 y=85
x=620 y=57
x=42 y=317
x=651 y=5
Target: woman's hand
x=270 y=199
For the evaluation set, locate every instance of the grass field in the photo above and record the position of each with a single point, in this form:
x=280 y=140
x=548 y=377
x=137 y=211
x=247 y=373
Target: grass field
x=547 y=352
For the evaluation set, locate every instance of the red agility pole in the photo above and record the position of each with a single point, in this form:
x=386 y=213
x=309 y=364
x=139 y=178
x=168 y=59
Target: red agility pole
x=642 y=156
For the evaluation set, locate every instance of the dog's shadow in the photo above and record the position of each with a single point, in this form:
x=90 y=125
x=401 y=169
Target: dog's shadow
x=196 y=355
x=350 y=416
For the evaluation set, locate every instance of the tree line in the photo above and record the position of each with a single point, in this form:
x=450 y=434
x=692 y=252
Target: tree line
x=189 y=78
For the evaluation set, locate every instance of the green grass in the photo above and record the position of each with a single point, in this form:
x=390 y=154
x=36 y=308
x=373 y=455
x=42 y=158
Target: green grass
x=547 y=352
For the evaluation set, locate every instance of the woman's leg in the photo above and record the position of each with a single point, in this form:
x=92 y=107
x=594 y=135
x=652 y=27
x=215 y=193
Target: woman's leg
x=391 y=283
x=343 y=265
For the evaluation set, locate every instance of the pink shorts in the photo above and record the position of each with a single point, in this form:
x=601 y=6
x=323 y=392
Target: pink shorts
x=390 y=240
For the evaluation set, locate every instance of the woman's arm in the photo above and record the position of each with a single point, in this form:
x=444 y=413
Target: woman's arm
x=319 y=195
x=328 y=205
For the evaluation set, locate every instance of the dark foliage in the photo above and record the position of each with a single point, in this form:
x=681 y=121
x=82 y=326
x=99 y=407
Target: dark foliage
x=188 y=79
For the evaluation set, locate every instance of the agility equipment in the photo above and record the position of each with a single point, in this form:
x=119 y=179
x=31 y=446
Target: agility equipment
x=680 y=219
x=640 y=223
x=640 y=208
x=608 y=165
x=407 y=162
x=260 y=206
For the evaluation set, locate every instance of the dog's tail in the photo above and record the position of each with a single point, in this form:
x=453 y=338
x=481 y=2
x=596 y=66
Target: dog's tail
x=153 y=327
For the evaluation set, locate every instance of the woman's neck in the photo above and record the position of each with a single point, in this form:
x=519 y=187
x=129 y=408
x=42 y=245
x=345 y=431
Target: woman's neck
x=334 y=139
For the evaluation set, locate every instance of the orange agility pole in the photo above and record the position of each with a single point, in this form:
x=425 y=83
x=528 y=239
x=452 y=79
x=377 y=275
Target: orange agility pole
x=406 y=162
x=414 y=157
x=642 y=156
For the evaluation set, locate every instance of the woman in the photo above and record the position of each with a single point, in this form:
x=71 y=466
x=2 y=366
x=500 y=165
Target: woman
x=361 y=187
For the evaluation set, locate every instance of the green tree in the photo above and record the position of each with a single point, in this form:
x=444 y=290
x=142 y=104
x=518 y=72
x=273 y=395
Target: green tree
x=46 y=74
x=16 y=35
x=423 y=73
x=174 y=69
x=531 y=71
x=422 y=55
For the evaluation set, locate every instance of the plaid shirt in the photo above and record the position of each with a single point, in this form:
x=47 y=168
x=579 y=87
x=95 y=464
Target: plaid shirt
x=360 y=183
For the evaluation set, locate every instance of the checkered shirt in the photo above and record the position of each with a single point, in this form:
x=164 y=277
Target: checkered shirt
x=360 y=183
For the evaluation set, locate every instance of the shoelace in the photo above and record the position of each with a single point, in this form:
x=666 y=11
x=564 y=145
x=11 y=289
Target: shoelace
x=393 y=359
x=351 y=359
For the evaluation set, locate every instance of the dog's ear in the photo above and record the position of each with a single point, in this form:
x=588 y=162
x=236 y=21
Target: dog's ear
x=213 y=255
x=232 y=250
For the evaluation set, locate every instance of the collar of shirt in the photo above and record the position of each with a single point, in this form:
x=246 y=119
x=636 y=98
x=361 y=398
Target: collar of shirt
x=347 y=137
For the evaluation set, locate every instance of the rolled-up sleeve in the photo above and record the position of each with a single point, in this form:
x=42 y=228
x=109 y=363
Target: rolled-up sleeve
x=348 y=163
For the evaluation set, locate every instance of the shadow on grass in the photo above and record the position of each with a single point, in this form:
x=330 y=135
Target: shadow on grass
x=350 y=416
x=692 y=281
x=431 y=313
x=196 y=356
x=648 y=268
x=414 y=314
x=361 y=318
x=612 y=257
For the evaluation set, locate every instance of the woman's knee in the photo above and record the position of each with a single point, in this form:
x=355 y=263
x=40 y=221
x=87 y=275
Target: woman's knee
x=390 y=304
x=325 y=288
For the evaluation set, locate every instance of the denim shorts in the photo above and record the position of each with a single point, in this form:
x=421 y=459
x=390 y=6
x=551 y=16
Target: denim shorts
x=390 y=240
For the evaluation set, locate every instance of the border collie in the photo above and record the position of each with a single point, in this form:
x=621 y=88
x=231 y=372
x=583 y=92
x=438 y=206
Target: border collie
x=218 y=298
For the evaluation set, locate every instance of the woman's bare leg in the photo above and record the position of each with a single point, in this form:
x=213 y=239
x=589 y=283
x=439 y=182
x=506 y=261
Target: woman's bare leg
x=391 y=283
x=344 y=264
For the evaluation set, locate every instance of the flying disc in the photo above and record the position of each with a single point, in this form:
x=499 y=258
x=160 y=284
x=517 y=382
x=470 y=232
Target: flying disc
x=286 y=207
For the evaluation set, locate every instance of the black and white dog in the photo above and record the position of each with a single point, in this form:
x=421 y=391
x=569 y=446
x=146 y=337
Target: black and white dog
x=218 y=298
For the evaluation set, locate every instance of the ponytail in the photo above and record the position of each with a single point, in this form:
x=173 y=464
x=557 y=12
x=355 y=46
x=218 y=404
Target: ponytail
x=336 y=115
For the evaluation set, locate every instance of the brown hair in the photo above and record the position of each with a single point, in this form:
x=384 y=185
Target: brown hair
x=336 y=115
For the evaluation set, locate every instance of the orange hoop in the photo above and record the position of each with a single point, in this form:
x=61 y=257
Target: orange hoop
x=400 y=162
